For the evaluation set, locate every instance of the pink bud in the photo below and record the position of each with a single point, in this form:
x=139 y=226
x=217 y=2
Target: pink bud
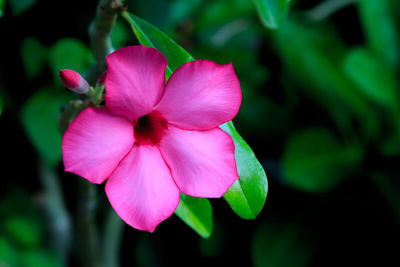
x=74 y=81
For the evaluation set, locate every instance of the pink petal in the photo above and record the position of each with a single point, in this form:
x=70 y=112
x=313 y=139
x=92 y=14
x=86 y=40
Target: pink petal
x=201 y=95
x=202 y=162
x=135 y=80
x=95 y=142
x=141 y=190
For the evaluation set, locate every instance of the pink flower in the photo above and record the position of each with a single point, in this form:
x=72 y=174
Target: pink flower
x=154 y=139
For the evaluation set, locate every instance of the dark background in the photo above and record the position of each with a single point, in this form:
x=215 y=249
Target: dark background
x=353 y=220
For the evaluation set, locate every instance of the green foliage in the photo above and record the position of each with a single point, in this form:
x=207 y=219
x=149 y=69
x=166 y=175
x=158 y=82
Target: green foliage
x=248 y=194
x=280 y=244
x=68 y=53
x=380 y=28
x=33 y=55
x=315 y=161
x=120 y=35
x=222 y=12
x=8 y=253
x=1 y=105
x=1 y=7
x=39 y=119
x=197 y=213
x=252 y=180
x=272 y=12
x=375 y=79
x=42 y=258
x=24 y=232
x=181 y=10
x=322 y=50
x=20 y=6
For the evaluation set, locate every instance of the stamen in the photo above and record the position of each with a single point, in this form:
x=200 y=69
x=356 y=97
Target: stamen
x=150 y=129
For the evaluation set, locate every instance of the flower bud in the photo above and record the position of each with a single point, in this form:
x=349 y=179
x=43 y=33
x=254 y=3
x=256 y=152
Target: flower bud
x=74 y=81
x=102 y=79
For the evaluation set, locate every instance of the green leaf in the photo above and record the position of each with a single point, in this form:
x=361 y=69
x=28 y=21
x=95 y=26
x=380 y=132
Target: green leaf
x=1 y=105
x=119 y=35
x=315 y=161
x=280 y=244
x=20 y=6
x=33 y=55
x=150 y=36
x=380 y=28
x=68 y=53
x=8 y=253
x=218 y=13
x=372 y=76
x=322 y=50
x=272 y=12
x=252 y=179
x=41 y=257
x=377 y=81
x=39 y=119
x=23 y=231
x=197 y=213
x=1 y=7
x=248 y=194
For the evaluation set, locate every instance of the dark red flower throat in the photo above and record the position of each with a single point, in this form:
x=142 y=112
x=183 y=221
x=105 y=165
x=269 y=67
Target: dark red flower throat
x=150 y=129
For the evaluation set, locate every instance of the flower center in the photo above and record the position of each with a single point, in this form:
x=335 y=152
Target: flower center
x=150 y=129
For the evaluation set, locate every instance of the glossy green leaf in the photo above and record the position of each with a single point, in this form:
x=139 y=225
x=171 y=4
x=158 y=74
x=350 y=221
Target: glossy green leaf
x=68 y=53
x=372 y=76
x=39 y=118
x=33 y=55
x=248 y=195
x=280 y=244
x=20 y=6
x=272 y=12
x=197 y=213
x=378 y=21
x=150 y=36
x=315 y=161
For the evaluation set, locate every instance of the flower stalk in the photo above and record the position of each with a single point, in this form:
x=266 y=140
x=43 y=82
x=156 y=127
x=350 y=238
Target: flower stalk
x=99 y=33
x=87 y=233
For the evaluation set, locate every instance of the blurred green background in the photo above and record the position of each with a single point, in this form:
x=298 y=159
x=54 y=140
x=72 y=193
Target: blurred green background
x=321 y=110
